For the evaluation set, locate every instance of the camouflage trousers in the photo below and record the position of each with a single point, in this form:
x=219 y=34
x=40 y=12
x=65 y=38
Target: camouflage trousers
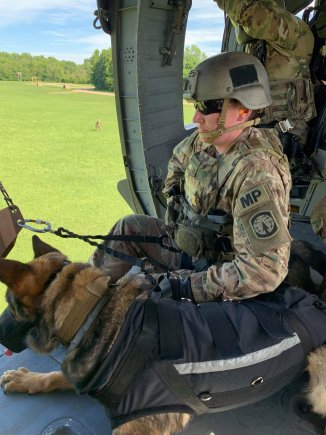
x=136 y=225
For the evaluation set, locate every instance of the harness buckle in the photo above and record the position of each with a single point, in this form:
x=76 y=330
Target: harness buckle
x=285 y=125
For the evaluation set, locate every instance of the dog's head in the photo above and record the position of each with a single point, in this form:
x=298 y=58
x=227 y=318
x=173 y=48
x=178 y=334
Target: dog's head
x=27 y=281
x=45 y=289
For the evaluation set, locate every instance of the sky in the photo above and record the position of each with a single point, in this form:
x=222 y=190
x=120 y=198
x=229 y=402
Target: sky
x=64 y=28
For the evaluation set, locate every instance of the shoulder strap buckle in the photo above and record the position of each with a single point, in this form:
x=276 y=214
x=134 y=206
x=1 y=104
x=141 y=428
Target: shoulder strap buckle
x=284 y=125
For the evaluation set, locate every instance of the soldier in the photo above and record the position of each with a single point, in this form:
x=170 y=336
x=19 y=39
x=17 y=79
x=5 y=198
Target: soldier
x=284 y=44
x=228 y=192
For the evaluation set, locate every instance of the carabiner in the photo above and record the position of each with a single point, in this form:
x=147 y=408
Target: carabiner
x=47 y=228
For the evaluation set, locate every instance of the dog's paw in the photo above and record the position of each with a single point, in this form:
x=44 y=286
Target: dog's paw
x=20 y=381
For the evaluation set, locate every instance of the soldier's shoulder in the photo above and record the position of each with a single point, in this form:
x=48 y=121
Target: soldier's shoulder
x=189 y=142
x=261 y=151
x=260 y=141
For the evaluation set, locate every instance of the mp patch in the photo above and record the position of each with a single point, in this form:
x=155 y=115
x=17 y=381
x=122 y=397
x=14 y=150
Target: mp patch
x=263 y=225
x=250 y=199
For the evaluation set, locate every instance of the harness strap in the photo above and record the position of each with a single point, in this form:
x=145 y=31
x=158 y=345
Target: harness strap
x=140 y=262
x=76 y=315
x=268 y=319
x=221 y=326
x=132 y=363
x=138 y=239
x=88 y=322
x=226 y=400
x=170 y=328
x=301 y=331
x=179 y=386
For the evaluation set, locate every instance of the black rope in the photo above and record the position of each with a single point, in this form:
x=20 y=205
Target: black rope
x=140 y=262
x=64 y=233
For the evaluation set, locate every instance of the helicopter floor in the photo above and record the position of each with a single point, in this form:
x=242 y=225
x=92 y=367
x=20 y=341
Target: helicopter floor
x=66 y=413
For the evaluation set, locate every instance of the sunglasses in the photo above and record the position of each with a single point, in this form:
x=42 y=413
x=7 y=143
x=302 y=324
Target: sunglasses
x=206 y=107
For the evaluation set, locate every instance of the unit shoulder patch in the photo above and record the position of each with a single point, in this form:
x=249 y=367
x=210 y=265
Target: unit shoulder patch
x=264 y=224
x=251 y=199
x=259 y=220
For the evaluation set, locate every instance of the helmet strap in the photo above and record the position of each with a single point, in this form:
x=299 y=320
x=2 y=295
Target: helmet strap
x=221 y=129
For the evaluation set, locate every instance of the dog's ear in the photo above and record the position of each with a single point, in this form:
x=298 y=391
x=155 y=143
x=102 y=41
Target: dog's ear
x=11 y=271
x=41 y=248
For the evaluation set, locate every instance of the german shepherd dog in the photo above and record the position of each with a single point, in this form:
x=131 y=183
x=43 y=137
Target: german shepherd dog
x=48 y=288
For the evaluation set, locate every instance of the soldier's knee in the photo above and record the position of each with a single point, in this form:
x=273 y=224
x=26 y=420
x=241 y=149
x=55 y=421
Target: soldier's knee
x=133 y=223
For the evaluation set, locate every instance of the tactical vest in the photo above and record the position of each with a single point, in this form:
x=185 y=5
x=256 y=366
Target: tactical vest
x=208 y=233
x=291 y=99
x=175 y=356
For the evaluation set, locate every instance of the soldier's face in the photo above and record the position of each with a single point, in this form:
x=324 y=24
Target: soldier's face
x=208 y=124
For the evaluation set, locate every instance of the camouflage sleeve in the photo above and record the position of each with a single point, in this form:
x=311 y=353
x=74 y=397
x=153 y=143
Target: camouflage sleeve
x=318 y=219
x=266 y=20
x=178 y=163
x=261 y=238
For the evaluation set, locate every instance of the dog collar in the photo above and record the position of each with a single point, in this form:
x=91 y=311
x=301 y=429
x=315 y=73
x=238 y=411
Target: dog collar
x=84 y=308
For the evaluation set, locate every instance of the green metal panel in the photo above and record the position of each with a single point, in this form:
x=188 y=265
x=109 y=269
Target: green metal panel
x=148 y=96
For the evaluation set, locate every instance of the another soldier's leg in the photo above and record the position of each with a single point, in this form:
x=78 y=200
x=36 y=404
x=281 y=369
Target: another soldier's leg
x=135 y=225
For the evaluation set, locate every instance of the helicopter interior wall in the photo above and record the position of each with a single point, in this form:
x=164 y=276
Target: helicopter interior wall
x=148 y=95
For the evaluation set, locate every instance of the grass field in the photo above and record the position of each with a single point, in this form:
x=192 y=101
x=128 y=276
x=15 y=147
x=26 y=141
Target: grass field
x=55 y=165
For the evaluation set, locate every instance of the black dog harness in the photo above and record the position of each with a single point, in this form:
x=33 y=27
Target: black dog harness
x=174 y=356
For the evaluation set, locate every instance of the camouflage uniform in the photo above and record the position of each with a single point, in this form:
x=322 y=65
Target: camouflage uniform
x=289 y=47
x=256 y=195
x=318 y=219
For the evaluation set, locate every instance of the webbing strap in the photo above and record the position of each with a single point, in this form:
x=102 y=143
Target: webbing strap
x=179 y=386
x=171 y=343
x=134 y=362
x=225 y=337
x=268 y=319
x=301 y=331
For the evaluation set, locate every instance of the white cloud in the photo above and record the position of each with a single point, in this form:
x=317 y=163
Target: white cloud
x=27 y=11
x=100 y=40
x=56 y=34
x=60 y=28
x=205 y=26
x=201 y=36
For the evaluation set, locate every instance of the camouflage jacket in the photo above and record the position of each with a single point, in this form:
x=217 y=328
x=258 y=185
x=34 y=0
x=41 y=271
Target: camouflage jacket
x=256 y=195
x=289 y=47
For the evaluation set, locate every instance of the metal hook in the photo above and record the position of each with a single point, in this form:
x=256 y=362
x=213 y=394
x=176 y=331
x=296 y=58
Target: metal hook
x=22 y=223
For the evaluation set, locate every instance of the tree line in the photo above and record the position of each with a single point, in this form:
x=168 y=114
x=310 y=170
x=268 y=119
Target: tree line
x=96 y=70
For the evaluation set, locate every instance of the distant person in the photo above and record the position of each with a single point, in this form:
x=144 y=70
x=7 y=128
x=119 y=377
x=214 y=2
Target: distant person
x=284 y=44
x=228 y=190
x=98 y=125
